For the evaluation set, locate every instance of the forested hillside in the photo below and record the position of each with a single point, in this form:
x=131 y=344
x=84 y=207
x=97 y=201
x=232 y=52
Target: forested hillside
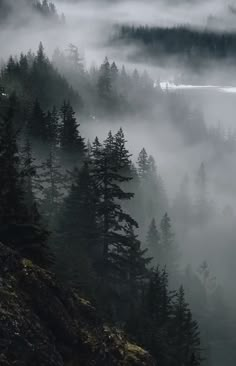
x=193 y=46
x=117 y=196
x=67 y=204
x=26 y=9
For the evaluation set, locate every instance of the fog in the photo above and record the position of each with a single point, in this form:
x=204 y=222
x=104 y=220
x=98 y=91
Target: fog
x=89 y=25
x=178 y=149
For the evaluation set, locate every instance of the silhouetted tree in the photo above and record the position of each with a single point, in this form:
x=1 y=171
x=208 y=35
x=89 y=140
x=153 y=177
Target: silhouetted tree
x=71 y=143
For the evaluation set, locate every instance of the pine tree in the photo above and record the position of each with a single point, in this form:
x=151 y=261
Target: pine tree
x=29 y=179
x=143 y=164
x=133 y=274
x=37 y=126
x=114 y=221
x=185 y=333
x=169 y=250
x=153 y=242
x=150 y=323
x=71 y=143
x=203 y=208
x=12 y=208
x=104 y=87
x=114 y=76
x=79 y=250
x=41 y=59
x=75 y=59
x=104 y=81
x=18 y=227
x=53 y=180
x=122 y=155
x=52 y=124
x=156 y=199
x=151 y=195
x=182 y=208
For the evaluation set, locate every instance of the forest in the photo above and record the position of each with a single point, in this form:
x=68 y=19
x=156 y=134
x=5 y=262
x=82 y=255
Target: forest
x=67 y=204
x=88 y=197
x=194 y=46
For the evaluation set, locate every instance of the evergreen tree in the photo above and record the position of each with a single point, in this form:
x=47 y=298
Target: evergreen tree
x=71 y=143
x=169 y=251
x=156 y=200
x=105 y=90
x=203 y=208
x=122 y=155
x=18 y=226
x=75 y=59
x=182 y=208
x=52 y=123
x=12 y=208
x=114 y=222
x=29 y=179
x=151 y=322
x=37 y=126
x=151 y=195
x=134 y=272
x=53 y=182
x=114 y=76
x=185 y=333
x=40 y=57
x=104 y=80
x=143 y=164
x=78 y=243
x=153 y=242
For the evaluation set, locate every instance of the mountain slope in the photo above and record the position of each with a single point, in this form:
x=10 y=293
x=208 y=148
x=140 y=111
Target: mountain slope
x=43 y=324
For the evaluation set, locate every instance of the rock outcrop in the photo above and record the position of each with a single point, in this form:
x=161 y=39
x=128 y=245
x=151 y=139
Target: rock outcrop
x=44 y=324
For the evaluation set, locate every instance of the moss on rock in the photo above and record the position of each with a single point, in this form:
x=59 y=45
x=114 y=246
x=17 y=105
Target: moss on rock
x=44 y=324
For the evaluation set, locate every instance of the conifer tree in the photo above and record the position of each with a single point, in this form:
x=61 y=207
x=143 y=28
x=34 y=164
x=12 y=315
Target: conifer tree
x=122 y=154
x=133 y=274
x=37 y=126
x=29 y=179
x=114 y=77
x=143 y=163
x=203 y=208
x=153 y=242
x=12 y=208
x=114 y=71
x=152 y=320
x=79 y=248
x=169 y=250
x=52 y=123
x=18 y=227
x=75 y=59
x=185 y=333
x=71 y=143
x=104 y=81
x=114 y=222
x=53 y=181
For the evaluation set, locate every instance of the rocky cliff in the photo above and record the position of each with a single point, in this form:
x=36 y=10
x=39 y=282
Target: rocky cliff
x=44 y=324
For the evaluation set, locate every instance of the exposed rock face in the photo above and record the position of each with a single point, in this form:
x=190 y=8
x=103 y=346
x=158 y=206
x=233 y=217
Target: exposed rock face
x=43 y=324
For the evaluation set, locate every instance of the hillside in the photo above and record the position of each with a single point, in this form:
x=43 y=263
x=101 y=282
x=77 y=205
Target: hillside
x=44 y=324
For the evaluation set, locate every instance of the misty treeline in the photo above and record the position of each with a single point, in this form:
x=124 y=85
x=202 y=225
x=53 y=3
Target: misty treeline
x=42 y=8
x=101 y=219
x=67 y=205
x=104 y=91
x=194 y=46
x=95 y=92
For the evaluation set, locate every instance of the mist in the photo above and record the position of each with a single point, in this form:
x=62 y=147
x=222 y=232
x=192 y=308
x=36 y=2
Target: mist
x=187 y=119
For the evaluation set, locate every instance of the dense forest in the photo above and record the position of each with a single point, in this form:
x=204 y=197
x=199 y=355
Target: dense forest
x=44 y=9
x=67 y=204
x=193 y=46
x=91 y=204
